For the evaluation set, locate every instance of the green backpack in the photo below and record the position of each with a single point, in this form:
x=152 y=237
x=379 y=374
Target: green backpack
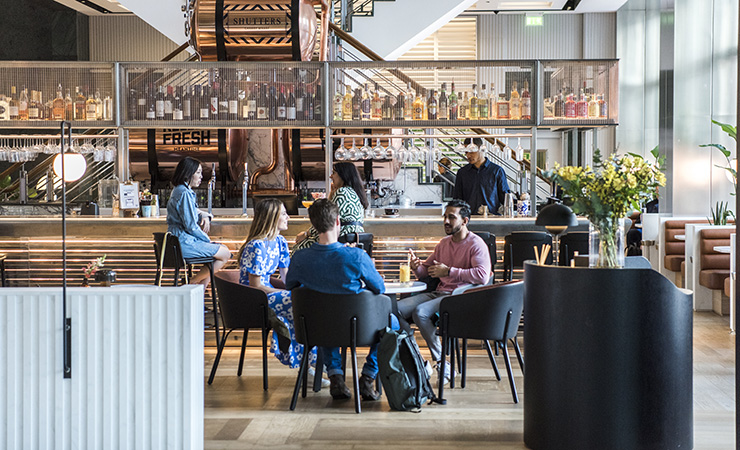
x=402 y=372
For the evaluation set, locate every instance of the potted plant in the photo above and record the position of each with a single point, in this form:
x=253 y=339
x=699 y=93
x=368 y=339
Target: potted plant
x=721 y=211
x=91 y=268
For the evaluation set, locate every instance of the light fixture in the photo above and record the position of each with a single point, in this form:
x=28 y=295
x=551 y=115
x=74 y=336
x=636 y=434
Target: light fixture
x=534 y=20
x=556 y=218
x=74 y=166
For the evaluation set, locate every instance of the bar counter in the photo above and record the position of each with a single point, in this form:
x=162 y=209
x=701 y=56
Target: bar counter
x=33 y=244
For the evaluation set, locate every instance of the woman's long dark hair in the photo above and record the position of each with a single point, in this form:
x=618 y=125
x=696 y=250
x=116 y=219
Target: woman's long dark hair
x=185 y=170
x=351 y=177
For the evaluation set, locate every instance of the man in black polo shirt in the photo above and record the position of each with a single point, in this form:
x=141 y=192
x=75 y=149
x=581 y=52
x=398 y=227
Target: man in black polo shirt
x=481 y=182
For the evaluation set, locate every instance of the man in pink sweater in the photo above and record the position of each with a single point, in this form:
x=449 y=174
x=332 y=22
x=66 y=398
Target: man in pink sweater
x=460 y=258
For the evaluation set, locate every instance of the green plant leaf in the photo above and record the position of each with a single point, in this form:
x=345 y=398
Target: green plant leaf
x=635 y=155
x=731 y=130
x=720 y=147
x=655 y=152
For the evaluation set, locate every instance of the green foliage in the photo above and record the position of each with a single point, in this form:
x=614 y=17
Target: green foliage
x=732 y=132
x=720 y=213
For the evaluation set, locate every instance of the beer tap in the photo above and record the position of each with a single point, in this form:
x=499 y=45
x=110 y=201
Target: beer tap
x=245 y=188
x=211 y=187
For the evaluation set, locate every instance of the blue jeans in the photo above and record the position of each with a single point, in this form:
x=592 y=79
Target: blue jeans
x=333 y=358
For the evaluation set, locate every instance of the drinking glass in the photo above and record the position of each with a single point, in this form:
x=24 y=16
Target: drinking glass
x=366 y=152
x=507 y=150
x=404 y=273
x=519 y=151
x=354 y=153
x=378 y=151
x=341 y=153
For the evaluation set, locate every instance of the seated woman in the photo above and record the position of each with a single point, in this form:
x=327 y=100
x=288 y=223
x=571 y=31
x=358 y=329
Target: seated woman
x=190 y=225
x=264 y=251
x=348 y=193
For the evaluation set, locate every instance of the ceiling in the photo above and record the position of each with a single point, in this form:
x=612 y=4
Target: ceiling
x=95 y=7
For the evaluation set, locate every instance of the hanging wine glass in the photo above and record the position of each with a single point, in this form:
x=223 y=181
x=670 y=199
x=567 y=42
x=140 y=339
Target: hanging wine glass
x=341 y=153
x=366 y=152
x=519 y=151
x=471 y=147
x=460 y=148
x=423 y=153
x=390 y=152
x=110 y=151
x=412 y=155
x=378 y=150
x=497 y=149
x=507 y=150
x=354 y=153
x=436 y=152
x=402 y=154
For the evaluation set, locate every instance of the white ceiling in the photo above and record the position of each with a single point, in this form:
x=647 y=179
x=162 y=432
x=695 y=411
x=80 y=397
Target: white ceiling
x=110 y=5
x=585 y=6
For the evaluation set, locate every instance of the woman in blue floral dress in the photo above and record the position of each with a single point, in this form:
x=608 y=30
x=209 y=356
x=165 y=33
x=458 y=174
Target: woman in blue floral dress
x=264 y=251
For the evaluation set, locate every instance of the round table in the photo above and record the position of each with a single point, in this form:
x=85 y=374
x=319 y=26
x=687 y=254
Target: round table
x=404 y=288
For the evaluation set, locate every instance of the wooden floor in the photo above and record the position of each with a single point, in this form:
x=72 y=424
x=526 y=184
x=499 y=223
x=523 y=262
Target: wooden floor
x=240 y=415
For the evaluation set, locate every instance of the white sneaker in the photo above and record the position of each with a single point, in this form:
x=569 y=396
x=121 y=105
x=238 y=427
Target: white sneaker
x=448 y=371
x=324 y=381
x=429 y=368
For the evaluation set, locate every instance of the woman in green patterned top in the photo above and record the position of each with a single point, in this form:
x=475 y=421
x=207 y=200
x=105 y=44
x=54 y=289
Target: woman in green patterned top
x=349 y=195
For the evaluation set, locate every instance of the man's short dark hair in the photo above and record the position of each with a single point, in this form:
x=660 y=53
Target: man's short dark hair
x=476 y=141
x=323 y=214
x=463 y=205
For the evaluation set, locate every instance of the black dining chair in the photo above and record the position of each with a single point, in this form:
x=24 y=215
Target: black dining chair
x=363 y=241
x=490 y=240
x=337 y=320
x=490 y=313
x=519 y=247
x=3 y=256
x=571 y=242
x=242 y=308
x=168 y=255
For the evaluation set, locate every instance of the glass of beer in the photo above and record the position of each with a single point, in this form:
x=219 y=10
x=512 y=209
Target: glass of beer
x=404 y=273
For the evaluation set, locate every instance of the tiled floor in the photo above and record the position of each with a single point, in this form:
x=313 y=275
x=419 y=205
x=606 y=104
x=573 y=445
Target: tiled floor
x=239 y=414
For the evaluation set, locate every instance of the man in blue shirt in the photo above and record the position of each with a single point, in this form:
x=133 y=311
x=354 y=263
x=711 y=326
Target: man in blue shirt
x=333 y=268
x=481 y=182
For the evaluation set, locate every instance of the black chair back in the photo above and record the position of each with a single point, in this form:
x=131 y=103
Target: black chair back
x=481 y=313
x=573 y=241
x=363 y=240
x=241 y=306
x=519 y=247
x=172 y=257
x=490 y=240
x=325 y=319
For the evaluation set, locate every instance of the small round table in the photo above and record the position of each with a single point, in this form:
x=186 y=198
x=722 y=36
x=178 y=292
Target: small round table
x=392 y=289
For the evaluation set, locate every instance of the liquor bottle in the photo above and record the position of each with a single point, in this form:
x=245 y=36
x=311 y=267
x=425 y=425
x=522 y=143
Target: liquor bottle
x=453 y=103
x=271 y=103
x=262 y=103
x=35 y=107
x=151 y=103
x=548 y=109
x=13 y=104
x=502 y=107
x=233 y=102
x=141 y=104
x=79 y=104
x=98 y=105
x=339 y=105
x=570 y=107
x=432 y=106
x=187 y=104
x=347 y=103
x=168 y=100
x=388 y=112
x=282 y=105
x=300 y=99
x=418 y=112
x=69 y=108
x=444 y=111
x=492 y=101
x=177 y=106
x=357 y=104
x=582 y=106
x=399 y=106
x=251 y=109
x=515 y=106
x=57 y=111
x=223 y=100
x=23 y=104
x=473 y=109
x=462 y=110
x=483 y=103
x=204 y=105
x=408 y=106
x=159 y=103
x=290 y=112
x=526 y=102
x=133 y=105
x=213 y=101
x=424 y=103
x=559 y=106
x=317 y=102
x=593 y=108
x=376 y=105
x=310 y=103
x=602 y=107
x=366 y=104
x=91 y=107
x=4 y=108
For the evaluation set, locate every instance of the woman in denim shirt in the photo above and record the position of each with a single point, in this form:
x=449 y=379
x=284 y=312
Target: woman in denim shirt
x=190 y=225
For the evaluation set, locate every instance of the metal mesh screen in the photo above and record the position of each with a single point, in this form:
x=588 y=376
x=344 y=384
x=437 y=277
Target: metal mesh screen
x=39 y=94
x=234 y=95
x=580 y=93
x=433 y=94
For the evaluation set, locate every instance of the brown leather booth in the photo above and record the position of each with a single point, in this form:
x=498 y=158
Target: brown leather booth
x=675 y=249
x=714 y=267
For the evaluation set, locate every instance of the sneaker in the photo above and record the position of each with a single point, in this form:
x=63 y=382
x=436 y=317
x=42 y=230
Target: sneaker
x=449 y=372
x=429 y=368
x=338 y=389
x=367 y=388
x=324 y=381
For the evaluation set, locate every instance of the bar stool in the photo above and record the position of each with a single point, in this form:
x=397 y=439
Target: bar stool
x=519 y=247
x=168 y=254
x=3 y=256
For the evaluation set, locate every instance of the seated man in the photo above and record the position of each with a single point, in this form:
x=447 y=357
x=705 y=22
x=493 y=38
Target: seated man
x=333 y=268
x=459 y=258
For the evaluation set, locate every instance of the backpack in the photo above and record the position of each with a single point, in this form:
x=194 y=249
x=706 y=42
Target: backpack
x=402 y=372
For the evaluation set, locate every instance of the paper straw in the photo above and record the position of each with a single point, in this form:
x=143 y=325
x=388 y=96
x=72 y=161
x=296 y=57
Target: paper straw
x=537 y=255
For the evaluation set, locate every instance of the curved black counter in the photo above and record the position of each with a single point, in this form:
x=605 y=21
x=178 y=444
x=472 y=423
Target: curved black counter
x=608 y=357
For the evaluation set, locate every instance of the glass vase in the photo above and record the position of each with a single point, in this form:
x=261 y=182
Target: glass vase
x=606 y=243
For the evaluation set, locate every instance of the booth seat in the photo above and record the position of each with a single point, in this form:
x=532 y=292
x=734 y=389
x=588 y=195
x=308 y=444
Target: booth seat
x=714 y=267
x=674 y=253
